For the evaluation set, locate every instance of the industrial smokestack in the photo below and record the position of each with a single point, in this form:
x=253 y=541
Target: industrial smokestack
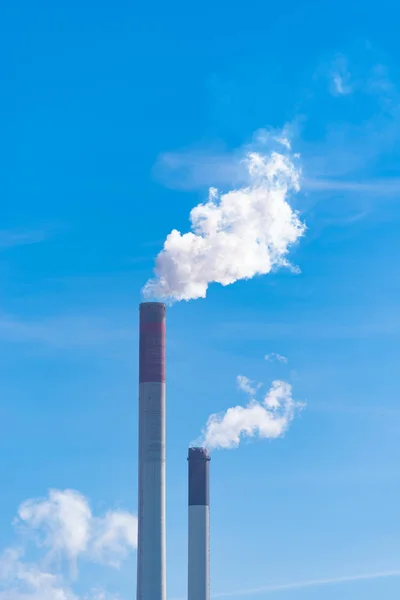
x=151 y=574
x=199 y=525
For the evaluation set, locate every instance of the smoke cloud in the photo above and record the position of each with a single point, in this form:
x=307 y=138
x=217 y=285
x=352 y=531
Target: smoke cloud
x=269 y=418
x=234 y=235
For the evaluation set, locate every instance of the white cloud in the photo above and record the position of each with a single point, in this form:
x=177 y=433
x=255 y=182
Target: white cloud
x=246 y=385
x=267 y=419
x=235 y=235
x=64 y=527
x=115 y=535
x=63 y=521
x=340 y=86
x=275 y=356
x=67 y=527
x=20 y=580
x=336 y=71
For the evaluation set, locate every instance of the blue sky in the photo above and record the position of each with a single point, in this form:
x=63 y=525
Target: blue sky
x=115 y=120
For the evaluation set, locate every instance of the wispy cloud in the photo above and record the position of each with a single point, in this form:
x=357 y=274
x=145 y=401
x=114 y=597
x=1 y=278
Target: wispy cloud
x=339 y=85
x=199 y=168
x=342 y=158
x=349 y=149
x=370 y=326
x=275 y=356
x=12 y=238
x=64 y=331
x=340 y=77
x=113 y=536
x=298 y=585
x=246 y=385
x=382 y=187
x=216 y=165
x=64 y=527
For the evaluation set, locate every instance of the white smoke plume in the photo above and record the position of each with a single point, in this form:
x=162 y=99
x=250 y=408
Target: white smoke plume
x=269 y=418
x=235 y=235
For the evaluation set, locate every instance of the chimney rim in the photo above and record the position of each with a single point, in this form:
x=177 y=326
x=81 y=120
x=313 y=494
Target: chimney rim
x=198 y=453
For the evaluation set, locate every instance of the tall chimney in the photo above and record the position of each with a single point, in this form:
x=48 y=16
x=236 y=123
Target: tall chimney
x=199 y=525
x=151 y=574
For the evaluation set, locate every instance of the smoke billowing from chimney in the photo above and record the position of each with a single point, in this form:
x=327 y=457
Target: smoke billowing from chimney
x=269 y=418
x=235 y=235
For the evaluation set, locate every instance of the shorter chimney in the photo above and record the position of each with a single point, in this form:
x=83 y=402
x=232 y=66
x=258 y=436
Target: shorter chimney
x=199 y=525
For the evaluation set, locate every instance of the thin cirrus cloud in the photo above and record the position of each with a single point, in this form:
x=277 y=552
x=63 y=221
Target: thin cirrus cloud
x=235 y=235
x=13 y=238
x=63 y=527
x=385 y=186
x=197 y=169
x=273 y=589
x=64 y=331
x=193 y=169
x=298 y=585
